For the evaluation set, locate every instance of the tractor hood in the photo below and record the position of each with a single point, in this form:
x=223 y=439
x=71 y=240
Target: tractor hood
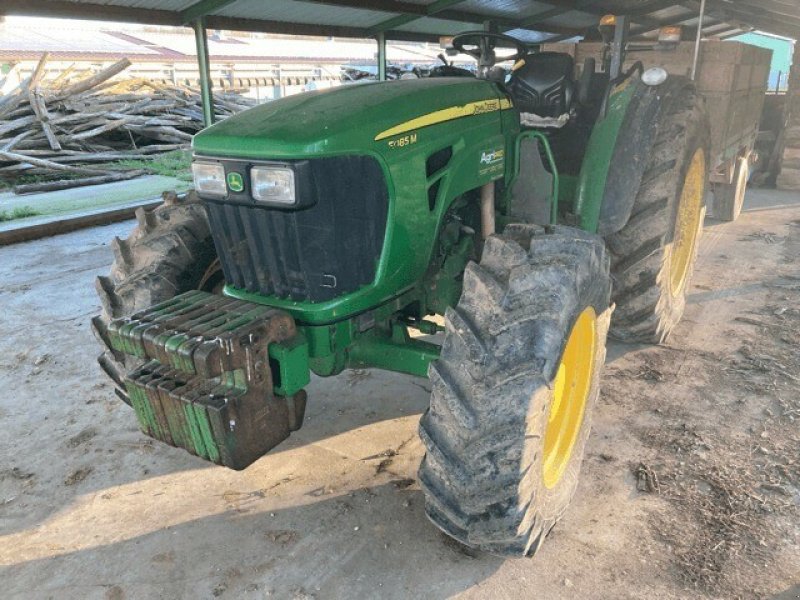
x=348 y=119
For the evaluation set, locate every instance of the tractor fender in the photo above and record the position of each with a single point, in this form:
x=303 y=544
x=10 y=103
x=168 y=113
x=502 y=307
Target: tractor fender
x=633 y=149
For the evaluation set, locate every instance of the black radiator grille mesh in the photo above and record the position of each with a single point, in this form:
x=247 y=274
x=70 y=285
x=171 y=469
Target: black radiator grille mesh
x=317 y=253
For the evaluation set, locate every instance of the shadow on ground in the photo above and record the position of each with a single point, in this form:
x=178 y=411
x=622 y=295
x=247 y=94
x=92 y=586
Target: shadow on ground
x=287 y=558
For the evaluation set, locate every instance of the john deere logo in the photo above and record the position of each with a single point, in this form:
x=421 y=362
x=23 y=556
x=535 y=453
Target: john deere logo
x=235 y=182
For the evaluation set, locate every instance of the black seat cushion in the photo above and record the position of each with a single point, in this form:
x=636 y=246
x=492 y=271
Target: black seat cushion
x=544 y=85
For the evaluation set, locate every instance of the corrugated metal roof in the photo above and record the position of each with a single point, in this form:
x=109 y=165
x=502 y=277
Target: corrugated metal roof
x=144 y=46
x=294 y=11
x=426 y=19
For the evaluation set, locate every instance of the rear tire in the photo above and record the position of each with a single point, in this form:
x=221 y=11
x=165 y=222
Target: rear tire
x=729 y=198
x=653 y=256
x=169 y=252
x=514 y=388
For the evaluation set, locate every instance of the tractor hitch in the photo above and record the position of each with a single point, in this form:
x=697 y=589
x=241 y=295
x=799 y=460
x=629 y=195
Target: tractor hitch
x=213 y=381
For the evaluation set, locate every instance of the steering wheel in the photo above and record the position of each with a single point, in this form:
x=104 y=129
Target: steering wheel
x=481 y=45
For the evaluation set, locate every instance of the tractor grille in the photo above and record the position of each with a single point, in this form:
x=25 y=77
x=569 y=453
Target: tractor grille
x=317 y=253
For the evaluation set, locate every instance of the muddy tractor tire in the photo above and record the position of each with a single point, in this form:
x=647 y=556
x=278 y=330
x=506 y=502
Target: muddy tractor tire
x=513 y=390
x=729 y=198
x=169 y=252
x=653 y=256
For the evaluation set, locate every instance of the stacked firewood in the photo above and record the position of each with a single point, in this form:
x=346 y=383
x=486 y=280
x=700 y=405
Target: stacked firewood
x=70 y=133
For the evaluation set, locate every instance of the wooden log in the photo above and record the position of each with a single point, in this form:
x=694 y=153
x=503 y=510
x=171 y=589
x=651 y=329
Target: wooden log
x=23 y=123
x=63 y=76
x=38 y=72
x=75 y=154
x=84 y=157
x=40 y=110
x=158 y=133
x=64 y=184
x=84 y=124
x=16 y=140
x=158 y=148
x=76 y=118
x=94 y=80
x=105 y=128
x=10 y=102
x=47 y=164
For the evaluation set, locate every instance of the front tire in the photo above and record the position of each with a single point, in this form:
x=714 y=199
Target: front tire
x=168 y=253
x=514 y=388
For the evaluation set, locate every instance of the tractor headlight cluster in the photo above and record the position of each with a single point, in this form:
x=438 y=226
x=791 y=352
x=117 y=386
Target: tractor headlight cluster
x=273 y=184
x=268 y=184
x=209 y=179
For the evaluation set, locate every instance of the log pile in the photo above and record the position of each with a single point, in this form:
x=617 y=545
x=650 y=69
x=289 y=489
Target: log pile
x=69 y=133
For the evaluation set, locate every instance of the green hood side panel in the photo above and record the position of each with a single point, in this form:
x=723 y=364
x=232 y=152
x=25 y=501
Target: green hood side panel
x=412 y=120
x=342 y=120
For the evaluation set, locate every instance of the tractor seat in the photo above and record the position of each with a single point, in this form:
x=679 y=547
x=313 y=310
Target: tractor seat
x=544 y=85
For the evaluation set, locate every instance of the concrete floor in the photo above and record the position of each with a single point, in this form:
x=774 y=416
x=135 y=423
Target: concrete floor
x=91 y=508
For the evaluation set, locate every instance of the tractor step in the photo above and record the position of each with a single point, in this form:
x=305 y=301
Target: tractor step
x=207 y=385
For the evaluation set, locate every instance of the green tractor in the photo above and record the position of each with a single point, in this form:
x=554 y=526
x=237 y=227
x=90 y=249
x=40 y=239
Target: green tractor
x=327 y=227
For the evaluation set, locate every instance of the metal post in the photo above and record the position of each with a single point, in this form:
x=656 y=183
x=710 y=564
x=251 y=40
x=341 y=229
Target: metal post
x=700 y=22
x=381 y=38
x=618 y=46
x=203 y=63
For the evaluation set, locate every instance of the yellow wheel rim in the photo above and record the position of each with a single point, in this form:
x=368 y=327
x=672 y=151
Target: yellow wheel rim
x=687 y=224
x=570 y=392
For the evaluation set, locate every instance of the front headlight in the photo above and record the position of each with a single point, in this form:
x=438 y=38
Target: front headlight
x=209 y=179
x=273 y=184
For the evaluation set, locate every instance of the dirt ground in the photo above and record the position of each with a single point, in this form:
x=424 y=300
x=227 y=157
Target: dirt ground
x=690 y=488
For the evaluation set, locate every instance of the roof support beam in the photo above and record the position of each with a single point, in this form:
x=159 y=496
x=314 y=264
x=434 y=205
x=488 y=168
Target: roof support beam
x=599 y=8
x=407 y=8
x=732 y=34
x=595 y=7
x=203 y=8
x=560 y=9
x=399 y=21
x=677 y=20
x=757 y=18
x=64 y=9
x=774 y=8
x=653 y=25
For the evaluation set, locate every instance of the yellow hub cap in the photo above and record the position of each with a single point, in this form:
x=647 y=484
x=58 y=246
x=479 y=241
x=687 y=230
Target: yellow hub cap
x=687 y=224
x=570 y=392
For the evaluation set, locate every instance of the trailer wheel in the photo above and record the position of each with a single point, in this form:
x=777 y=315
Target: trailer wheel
x=169 y=252
x=729 y=198
x=653 y=256
x=514 y=388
